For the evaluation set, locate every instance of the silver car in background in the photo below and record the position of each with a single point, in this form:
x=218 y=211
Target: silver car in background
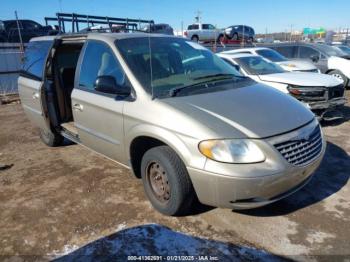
x=178 y=116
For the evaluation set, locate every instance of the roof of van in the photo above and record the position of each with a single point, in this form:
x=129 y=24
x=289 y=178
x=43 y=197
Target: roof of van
x=101 y=36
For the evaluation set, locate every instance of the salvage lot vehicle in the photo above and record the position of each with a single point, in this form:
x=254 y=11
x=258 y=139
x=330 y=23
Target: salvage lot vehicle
x=175 y=113
x=237 y=32
x=204 y=32
x=321 y=93
x=29 y=29
x=328 y=59
x=275 y=57
x=159 y=29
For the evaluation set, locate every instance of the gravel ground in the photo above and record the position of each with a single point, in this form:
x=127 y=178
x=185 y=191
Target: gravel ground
x=69 y=203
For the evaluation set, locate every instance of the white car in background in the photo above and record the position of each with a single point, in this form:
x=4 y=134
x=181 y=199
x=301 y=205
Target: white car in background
x=320 y=92
x=275 y=57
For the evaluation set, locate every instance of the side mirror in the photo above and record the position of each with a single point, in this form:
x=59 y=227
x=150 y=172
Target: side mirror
x=237 y=67
x=314 y=58
x=108 y=85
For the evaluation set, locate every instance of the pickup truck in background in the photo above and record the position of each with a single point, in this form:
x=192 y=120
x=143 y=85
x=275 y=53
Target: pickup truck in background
x=204 y=33
x=28 y=28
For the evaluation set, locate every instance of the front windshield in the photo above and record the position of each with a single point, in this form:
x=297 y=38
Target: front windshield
x=272 y=55
x=331 y=50
x=256 y=65
x=344 y=48
x=163 y=63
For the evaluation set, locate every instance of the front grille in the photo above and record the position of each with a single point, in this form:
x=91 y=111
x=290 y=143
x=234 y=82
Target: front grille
x=336 y=91
x=302 y=151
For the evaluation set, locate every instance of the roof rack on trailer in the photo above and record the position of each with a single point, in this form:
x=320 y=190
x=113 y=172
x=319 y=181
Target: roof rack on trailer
x=93 y=20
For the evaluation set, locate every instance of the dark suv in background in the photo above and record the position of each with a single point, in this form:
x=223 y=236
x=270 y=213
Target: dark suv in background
x=159 y=29
x=237 y=32
x=29 y=29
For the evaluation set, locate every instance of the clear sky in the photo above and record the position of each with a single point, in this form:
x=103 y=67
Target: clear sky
x=270 y=15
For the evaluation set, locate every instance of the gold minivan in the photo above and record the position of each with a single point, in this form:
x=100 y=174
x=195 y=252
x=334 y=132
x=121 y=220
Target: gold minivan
x=173 y=112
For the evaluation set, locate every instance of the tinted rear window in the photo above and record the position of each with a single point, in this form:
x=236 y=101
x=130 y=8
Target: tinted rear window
x=34 y=58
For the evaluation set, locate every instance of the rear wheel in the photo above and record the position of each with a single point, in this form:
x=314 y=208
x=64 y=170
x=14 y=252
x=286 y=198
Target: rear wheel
x=220 y=39
x=50 y=138
x=338 y=74
x=195 y=38
x=235 y=36
x=166 y=181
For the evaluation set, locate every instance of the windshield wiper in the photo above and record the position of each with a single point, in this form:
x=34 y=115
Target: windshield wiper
x=173 y=92
x=218 y=75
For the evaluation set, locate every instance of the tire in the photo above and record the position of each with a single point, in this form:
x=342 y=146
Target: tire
x=235 y=36
x=51 y=139
x=220 y=39
x=174 y=193
x=195 y=38
x=338 y=74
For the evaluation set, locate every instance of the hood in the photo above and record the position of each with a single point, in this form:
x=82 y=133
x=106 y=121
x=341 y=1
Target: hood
x=297 y=65
x=301 y=79
x=255 y=111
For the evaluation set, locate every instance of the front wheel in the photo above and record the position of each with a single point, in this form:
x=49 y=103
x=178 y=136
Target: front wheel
x=338 y=74
x=166 y=181
x=50 y=138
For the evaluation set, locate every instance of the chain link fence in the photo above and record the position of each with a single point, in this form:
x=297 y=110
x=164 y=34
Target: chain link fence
x=10 y=65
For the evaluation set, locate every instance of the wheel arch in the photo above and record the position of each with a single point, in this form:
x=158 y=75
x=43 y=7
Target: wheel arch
x=144 y=137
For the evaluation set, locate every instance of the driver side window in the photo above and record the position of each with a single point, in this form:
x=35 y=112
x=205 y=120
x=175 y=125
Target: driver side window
x=98 y=61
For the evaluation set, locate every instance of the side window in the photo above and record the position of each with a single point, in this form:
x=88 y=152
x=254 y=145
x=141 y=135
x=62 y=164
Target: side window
x=205 y=26
x=193 y=27
x=34 y=58
x=307 y=52
x=287 y=51
x=211 y=27
x=30 y=25
x=99 y=60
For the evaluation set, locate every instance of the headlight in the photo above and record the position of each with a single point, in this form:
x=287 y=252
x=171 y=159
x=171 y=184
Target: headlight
x=239 y=151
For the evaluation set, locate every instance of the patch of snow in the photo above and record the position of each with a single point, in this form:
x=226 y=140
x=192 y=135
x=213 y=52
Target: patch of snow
x=157 y=240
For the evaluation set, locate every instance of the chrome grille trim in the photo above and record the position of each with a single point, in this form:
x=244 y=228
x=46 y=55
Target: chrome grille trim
x=303 y=147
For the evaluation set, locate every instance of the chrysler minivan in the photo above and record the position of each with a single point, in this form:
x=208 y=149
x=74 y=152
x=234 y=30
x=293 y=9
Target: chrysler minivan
x=178 y=116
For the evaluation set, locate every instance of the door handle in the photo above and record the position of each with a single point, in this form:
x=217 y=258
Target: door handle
x=35 y=95
x=78 y=107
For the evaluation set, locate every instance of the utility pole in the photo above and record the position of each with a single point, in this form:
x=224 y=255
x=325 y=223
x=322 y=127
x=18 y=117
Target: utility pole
x=182 y=28
x=198 y=17
x=60 y=5
x=291 y=32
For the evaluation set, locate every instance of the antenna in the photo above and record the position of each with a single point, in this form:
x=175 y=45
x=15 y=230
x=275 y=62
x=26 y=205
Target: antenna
x=60 y=5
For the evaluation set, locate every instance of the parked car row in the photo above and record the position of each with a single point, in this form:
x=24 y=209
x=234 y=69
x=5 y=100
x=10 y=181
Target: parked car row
x=323 y=94
x=328 y=59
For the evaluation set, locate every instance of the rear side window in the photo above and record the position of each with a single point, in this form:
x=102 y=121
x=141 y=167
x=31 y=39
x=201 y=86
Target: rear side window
x=34 y=58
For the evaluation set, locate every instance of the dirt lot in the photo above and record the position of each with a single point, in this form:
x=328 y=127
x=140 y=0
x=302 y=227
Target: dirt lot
x=70 y=201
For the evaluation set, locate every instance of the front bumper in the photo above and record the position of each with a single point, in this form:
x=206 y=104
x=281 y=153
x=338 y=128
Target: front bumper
x=251 y=185
x=324 y=105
